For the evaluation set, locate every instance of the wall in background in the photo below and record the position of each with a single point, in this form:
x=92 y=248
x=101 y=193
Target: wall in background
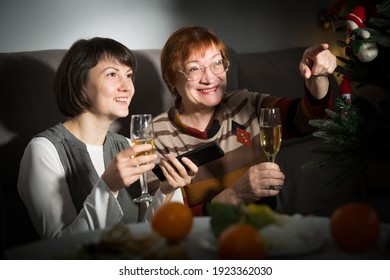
x=27 y=25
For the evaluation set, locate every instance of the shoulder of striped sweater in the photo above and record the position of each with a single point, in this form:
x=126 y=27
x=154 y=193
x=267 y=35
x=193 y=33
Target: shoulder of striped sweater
x=161 y=116
x=241 y=93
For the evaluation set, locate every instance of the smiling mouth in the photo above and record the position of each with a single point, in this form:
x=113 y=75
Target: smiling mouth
x=208 y=90
x=121 y=99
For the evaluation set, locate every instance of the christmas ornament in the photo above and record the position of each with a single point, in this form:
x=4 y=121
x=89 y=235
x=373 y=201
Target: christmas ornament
x=365 y=51
x=355 y=19
x=345 y=89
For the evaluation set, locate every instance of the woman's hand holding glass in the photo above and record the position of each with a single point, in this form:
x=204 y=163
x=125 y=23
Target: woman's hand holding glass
x=271 y=135
x=252 y=186
x=125 y=169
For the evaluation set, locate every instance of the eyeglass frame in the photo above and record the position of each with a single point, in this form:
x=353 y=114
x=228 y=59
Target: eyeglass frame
x=203 y=69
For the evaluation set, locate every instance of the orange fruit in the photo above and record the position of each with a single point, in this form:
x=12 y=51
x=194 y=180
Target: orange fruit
x=172 y=221
x=355 y=227
x=240 y=242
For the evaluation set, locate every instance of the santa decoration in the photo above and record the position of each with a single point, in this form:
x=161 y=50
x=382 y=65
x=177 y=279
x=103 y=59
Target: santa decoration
x=345 y=89
x=355 y=19
x=365 y=51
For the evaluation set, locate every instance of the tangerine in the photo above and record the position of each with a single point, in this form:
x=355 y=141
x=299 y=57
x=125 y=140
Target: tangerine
x=172 y=221
x=355 y=227
x=241 y=242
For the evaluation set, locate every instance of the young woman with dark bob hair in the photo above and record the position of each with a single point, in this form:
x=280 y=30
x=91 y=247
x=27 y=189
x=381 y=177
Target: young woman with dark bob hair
x=77 y=175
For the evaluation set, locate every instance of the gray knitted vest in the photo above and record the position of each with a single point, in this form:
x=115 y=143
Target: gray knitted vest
x=80 y=173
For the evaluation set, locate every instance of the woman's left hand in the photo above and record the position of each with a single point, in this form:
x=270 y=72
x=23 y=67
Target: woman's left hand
x=176 y=174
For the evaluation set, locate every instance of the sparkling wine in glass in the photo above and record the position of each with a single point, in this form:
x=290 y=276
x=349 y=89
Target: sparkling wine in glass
x=271 y=135
x=141 y=132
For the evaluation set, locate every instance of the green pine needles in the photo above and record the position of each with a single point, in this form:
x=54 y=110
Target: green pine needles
x=356 y=133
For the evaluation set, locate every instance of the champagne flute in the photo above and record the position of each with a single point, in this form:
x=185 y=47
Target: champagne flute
x=141 y=132
x=270 y=135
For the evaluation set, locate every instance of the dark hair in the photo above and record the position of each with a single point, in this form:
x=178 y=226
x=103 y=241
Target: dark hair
x=71 y=76
x=183 y=43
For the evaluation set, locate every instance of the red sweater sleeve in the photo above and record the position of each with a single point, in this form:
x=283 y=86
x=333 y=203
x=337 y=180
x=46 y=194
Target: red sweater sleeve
x=297 y=112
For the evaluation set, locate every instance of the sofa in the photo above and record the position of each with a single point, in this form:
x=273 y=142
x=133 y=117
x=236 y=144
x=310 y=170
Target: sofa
x=28 y=106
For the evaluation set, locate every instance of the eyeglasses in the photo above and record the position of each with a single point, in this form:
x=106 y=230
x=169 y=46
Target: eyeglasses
x=196 y=72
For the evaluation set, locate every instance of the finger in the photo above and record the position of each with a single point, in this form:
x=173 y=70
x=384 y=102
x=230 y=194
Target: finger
x=168 y=170
x=267 y=165
x=265 y=187
x=274 y=180
x=142 y=168
x=169 y=176
x=128 y=152
x=178 y=172
x=267 y=178
x=316 y=50
x=307 y=63
x=138 y=149
x=169 y=164
x=266 y=192
x=143 y=159
x=192 y=168
x=130 y=175
x=305 y=70
x=180 y=168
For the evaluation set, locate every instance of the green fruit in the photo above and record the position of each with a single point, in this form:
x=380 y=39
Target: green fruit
x=259 y=216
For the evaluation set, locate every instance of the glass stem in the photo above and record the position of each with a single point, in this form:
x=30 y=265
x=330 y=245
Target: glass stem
x=271 y=158
x=144 y=184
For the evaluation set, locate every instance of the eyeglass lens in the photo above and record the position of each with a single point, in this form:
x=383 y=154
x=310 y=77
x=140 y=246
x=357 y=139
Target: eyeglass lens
x=196 y=72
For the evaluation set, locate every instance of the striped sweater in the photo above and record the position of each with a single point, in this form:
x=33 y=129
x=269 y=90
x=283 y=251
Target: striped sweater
x=236 y=129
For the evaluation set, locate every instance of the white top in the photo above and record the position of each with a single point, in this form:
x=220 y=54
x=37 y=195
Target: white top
x=45 y=192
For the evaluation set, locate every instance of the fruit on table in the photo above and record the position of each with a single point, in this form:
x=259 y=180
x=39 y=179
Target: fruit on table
x=259 y=215
x=172 y=221
x=355 y=227
x=223 y=215
x=241 y=241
